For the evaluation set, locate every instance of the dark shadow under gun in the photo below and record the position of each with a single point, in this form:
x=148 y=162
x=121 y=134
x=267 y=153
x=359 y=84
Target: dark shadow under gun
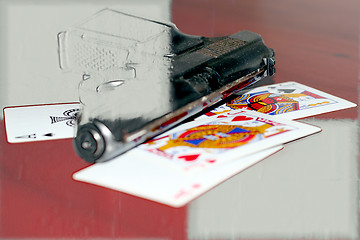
x=141 y=77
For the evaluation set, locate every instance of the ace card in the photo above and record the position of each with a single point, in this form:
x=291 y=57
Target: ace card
x=40 y=122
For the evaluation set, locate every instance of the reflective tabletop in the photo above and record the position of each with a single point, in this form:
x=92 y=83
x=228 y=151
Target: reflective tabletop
x=308 y=190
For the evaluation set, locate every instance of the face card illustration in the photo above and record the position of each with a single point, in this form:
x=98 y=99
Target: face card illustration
x=221 y=138
x=160 y=183
x=291 y=100
x=40 y=122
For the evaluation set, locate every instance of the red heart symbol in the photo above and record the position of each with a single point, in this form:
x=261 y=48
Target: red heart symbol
x=241 y=118
x=189 y=158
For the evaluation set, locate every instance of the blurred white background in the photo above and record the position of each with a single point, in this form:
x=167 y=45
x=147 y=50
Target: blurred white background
x=29 y=66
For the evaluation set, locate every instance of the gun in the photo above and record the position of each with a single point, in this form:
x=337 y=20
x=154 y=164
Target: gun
x=141 y=77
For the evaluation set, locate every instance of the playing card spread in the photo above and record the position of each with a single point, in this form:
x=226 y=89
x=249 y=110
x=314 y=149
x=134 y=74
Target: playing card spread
x=187 y=161
x=40 y=122
x=135 y=175
x=291 y=100
x=211 y=141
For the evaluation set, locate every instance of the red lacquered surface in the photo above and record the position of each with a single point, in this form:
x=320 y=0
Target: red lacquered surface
x=40 y=199
x=316 y=44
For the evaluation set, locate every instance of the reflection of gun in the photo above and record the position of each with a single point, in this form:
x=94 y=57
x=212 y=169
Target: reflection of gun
x=140 y=77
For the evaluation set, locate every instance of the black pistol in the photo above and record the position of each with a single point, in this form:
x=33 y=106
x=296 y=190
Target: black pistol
x=140 y=77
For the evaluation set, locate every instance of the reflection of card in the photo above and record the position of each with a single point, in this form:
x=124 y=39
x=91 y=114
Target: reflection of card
x=138 y=176
x=291 y=100
x=40 y=122
x=215 y=140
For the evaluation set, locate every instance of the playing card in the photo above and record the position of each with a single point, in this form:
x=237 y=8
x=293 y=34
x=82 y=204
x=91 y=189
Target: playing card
x=137 y=176
x=291 y=100
x=40 y=122
x=212 y=141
